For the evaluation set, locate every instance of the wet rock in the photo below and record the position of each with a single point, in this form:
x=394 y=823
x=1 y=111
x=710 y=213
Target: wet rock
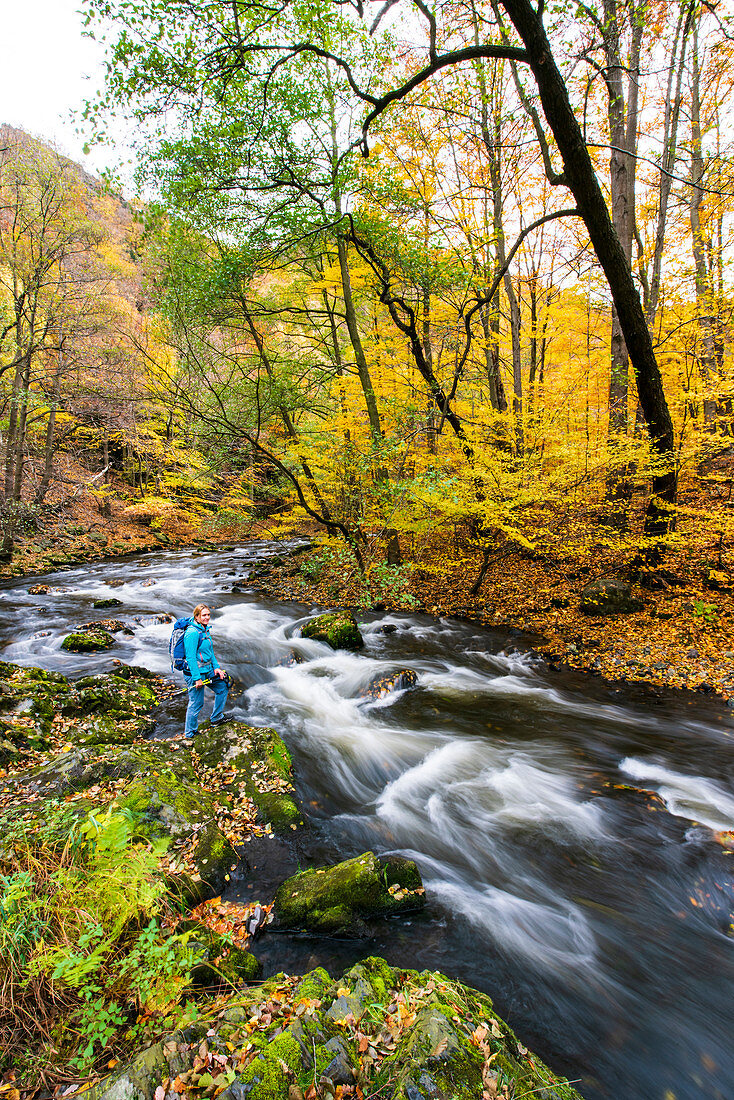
x=134 y=672
x=88 y=641
x=108 y=601
x=289 y=660
x=112 y=626
x=336 y=899
x=216 y=960
x=117 y=582
x=386 y=683
x=39 y=590
x=386 y=628
x=338 y=630
x=29 y=698
x=608 y=596
x=428 y=1056
x=148 y=584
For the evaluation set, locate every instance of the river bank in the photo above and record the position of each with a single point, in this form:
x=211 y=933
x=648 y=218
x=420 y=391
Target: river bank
x=681 y=636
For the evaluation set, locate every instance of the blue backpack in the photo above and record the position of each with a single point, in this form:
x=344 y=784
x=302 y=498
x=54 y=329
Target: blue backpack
x=176 y=650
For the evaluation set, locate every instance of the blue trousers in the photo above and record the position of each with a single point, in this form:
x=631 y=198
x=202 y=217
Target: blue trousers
x=196 y=702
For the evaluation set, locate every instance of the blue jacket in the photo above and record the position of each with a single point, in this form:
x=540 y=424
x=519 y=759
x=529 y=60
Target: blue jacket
x=199 y=652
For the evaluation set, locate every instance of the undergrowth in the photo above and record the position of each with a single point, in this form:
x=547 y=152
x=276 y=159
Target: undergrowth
x=87 y=965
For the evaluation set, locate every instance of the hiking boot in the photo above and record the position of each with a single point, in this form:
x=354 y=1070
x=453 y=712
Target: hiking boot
x=219 y=721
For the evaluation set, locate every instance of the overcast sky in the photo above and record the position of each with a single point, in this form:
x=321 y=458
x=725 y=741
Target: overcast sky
x=46 y=70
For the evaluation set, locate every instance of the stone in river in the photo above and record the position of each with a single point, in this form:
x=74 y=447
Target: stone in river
x=109 y=601
x=88 y=641
x=386 y=682
x=336 y=899
x=338 y=629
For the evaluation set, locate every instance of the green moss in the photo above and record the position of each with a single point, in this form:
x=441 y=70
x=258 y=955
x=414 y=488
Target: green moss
x=338 y=630
x=279 y=809
x=88 y=641
x=321 y=899
x=214 y=856
x=265 y=1075
x=313 y=986
x=261 y=768
x=110 y=601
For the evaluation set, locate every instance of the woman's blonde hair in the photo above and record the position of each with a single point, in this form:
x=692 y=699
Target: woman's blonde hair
x=199 y=608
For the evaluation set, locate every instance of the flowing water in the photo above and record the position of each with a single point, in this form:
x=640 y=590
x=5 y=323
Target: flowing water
x=565 y=829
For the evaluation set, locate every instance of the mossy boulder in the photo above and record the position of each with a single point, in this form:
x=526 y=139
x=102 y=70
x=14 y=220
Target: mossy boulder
x=112 y=626
x=427 y=1038
x=107 y=602
x=113 y=695
x=336 y=899
x=88 y=641
x=609 y=596
x=258 y=767
x=29 y=699
x=169 y=802
x=338 y=629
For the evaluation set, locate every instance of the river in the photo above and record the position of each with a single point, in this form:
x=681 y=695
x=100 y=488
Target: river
x=565 y=828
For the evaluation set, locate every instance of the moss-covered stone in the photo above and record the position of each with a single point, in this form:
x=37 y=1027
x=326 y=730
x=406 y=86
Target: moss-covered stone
x=88 y=641
x=338 y=629
x=215 y=960
x=112 y=695
x=107 y=602
x=214 y=856
x=259 y=768
x=444 y=1042
x=29 y=699
x=335 y=899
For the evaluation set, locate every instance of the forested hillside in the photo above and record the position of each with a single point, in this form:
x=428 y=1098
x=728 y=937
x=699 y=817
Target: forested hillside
x=486 y=333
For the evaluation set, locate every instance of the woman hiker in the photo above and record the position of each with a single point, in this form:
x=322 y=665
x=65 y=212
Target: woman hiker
x=202 y=667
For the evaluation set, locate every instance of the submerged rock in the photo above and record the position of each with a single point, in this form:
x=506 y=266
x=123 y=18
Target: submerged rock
x=608 y=596
x=338 y=629
x=385 y=683
x=88 y=641
x=336 y=899
x=39 y=590
x=398 y=1033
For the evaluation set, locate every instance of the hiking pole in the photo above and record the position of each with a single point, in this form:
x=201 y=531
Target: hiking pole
x=205 y=683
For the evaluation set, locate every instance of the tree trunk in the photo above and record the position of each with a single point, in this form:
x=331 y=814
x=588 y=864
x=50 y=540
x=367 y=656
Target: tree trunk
x=580 y=178
x=704 y=288
x=51 y=430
